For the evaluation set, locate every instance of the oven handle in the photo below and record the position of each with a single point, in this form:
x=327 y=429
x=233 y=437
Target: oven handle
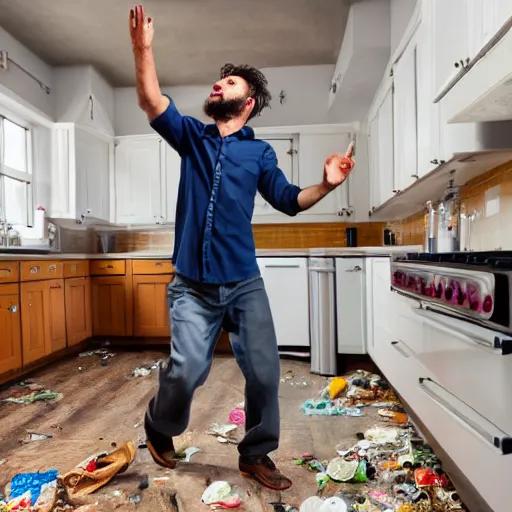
x=465 y=331
x=463 y=412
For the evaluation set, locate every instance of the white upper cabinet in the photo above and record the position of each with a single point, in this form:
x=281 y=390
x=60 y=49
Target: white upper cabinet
x=313 y=150
x=140 y=180
x=450 y=37
x=92 y=175
x=172 y=181
x=381 y=150
x=80 y=173
x=405 y=118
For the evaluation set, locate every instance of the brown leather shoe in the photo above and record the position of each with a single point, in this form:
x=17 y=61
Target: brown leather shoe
x=265 y=472
x=160 y=447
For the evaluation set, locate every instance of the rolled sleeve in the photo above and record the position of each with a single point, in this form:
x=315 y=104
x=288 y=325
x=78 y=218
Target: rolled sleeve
x=170 y=124
x=275 y=188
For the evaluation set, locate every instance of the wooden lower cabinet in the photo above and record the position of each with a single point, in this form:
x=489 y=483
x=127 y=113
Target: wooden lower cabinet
x=78 y=310
x=10 y=328
x=150 y=310
x=109 y=306
x=43 y=319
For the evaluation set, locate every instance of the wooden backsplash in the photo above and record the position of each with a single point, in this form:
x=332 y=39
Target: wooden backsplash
x=269 y=236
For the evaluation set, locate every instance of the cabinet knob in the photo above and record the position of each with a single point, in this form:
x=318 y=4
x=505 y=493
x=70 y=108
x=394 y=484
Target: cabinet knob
x=396 y=191
x=13 y=309
x=357 y=268
x=415 y=176
x=435 y=161
x=55 y=286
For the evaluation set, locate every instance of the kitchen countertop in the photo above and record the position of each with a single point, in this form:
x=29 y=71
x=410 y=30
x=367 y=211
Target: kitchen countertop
x=262 y=253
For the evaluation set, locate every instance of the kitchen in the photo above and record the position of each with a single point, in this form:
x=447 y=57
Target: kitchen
x=405 y=264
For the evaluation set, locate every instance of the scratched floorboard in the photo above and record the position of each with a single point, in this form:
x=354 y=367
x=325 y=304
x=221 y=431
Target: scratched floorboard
x=102 y=405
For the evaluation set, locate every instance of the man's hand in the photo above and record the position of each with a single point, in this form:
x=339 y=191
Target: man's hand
x=337 y=168
x=141 y=29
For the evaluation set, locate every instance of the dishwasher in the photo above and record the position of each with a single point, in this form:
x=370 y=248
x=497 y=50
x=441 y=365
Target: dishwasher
x=322 y=314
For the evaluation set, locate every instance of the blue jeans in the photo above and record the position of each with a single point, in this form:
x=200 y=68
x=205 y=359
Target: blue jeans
x=198 y=312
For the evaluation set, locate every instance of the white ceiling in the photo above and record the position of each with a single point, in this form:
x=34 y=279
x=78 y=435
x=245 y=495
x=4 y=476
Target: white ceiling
x=193 y=38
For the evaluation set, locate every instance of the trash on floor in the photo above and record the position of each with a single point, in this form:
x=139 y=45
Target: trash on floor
x=28 y=393
x=34 y=436
x=220 y=495
x=322 y=407
x=101 y=352
x=387 y=468
x=144 y=371
x=97 y=471
x=187 y=453
x=237 y=416
x=223 y=433
x=291 y=379
x=31 y=490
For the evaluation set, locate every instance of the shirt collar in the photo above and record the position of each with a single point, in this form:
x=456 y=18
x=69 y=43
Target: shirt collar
x=246 y=133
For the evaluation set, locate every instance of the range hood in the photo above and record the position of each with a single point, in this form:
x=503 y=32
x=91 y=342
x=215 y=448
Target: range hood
x=484 y=91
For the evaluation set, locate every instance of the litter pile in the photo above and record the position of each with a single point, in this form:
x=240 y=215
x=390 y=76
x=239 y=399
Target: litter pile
x=293 y=380
x=27 y=393
x=347 y=396
x=104 y=355
x=144 y=371
x=48 y=491
x=390 y=468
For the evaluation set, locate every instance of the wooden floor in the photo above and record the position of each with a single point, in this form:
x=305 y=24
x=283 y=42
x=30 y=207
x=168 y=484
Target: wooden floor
x=103 y=405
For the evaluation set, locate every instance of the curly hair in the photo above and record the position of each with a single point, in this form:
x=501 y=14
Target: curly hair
x=257 y=85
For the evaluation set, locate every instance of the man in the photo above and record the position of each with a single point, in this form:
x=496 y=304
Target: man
x=217 y=282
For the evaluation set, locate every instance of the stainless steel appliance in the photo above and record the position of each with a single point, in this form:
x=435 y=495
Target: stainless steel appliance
x=322 y=314
x=471 y=286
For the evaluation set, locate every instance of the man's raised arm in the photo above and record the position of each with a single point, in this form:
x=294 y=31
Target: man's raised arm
x=150 y=98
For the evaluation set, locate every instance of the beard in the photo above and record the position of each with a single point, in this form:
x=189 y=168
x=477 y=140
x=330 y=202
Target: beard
x=224 y=110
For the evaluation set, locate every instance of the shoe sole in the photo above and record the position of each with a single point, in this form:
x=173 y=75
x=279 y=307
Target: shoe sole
x=165 y=463
x=263 y=481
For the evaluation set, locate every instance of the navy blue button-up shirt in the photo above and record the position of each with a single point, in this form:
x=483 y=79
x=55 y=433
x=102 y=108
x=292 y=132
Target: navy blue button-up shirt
x=219 y=178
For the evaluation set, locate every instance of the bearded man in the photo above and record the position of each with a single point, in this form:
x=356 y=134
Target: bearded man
x=217 y=283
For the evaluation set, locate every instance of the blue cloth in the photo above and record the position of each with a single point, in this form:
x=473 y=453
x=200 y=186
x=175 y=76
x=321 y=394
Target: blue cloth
x=198 y=311
x=219 y=179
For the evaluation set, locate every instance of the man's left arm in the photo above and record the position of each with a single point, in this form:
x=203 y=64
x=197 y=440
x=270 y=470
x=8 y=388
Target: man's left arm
x=289 y=198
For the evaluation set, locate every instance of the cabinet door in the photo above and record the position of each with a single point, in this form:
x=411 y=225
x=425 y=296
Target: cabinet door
x=57 y=312
x=386 y=157
x=286 y=150
x=139 y=170
x=489 y=16
x=428 y=112
x=450 y=38
x=286 y=282
x=10 y=339
x=150 y=309
x=78 y=310
x=378 y=294
x=35 y=321
x=313 y=150
x=373 y=160
x=405 y=118
x=92 y=175
x=351 y=305
x=109 y=306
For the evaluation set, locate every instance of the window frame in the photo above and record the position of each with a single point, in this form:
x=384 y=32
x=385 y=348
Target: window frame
x=26 y=176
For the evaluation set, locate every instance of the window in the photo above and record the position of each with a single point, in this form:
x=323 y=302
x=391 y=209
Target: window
x=15 y=174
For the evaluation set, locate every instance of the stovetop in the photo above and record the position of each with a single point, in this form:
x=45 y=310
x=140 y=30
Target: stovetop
x=499 y=260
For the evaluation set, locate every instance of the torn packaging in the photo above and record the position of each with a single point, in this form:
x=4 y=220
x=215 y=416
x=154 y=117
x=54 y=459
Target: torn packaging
x=98 y=471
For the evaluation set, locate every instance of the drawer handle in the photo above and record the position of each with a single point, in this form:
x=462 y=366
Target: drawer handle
x=52 y=268
x=5 y=271
x=54 y=286
x=357 y=268
x=281 y=266
x=469 y=416
x=159 y=264
x=396 y=344
x=105 y=267
x=35 y=269
x=12 y=308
